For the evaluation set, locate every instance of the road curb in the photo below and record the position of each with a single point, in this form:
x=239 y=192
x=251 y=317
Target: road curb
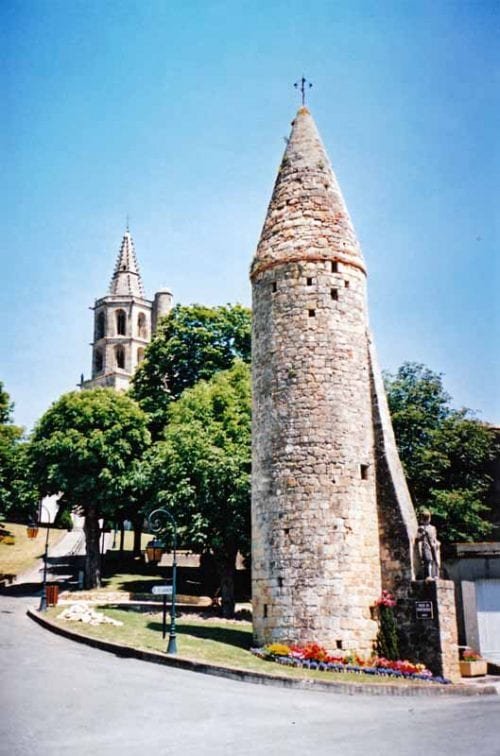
x=260 y=678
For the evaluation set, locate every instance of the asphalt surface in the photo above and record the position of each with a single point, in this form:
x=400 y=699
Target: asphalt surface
x=59 y=697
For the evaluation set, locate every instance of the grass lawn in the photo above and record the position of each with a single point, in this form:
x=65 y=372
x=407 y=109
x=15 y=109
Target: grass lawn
x=22 y=555
x=203 y=639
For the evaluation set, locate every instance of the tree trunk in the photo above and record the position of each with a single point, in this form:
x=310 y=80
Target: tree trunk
x=137 y=523
x=122 y=537
x=92 y=550
x=227 y=568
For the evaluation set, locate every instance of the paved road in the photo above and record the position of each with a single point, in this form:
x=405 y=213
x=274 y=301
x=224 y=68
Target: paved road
x=58 y=697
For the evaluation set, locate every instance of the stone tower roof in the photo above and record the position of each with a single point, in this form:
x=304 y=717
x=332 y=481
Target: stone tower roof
x=126 y=278
x=307 y=218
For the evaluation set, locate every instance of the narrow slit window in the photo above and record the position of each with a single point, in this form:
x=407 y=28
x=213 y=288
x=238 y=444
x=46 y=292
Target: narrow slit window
x=363 y=469
x=120 y=357
x=335 y=267
x=312 y=313
x=100 y=326
x=121 y=323
x=346 y=284
x=309 y=281
x=280 y=582
x=274 y=287
x=339 y=644
x=334 y=293
x=98 y=361
x=265 y=611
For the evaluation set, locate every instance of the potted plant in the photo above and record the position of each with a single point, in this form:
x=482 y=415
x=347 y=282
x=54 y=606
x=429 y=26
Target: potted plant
x=472 y=664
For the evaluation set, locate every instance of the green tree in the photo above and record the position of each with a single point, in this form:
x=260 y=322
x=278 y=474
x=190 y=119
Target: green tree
x=202 y=470
x=17 y=495
x=191 y=343
x=6 y=406
x=89 y=446
x=445 y=453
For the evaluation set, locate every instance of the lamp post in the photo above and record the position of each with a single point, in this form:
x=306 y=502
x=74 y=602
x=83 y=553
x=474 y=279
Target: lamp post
x=157 y=525
x=32 y=533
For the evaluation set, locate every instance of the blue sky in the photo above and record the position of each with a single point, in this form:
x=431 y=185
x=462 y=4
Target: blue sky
x=175 y=112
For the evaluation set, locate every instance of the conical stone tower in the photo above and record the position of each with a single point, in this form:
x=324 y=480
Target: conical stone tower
x=332 y=521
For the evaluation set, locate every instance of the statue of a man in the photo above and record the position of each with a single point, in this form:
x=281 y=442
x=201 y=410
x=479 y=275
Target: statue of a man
x=429 y=547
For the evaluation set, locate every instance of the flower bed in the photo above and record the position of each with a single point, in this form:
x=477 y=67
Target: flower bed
x=313 y=656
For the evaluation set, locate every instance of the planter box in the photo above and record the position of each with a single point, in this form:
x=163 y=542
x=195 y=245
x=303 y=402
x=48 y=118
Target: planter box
x=473 y=668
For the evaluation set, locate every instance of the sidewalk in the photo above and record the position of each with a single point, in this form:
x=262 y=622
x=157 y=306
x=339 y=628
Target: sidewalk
x=64 y=559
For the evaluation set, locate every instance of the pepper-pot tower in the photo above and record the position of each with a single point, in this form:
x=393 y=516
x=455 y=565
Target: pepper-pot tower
x=318 y=556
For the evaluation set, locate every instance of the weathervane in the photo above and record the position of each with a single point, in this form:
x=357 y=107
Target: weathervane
x=302 y=85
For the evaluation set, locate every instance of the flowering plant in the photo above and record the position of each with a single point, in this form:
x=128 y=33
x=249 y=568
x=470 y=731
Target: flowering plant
x=314 y=656
x=469 y=655
x=386 y=599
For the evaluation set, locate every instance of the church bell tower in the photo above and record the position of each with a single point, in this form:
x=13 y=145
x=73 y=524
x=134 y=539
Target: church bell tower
x=123 y=322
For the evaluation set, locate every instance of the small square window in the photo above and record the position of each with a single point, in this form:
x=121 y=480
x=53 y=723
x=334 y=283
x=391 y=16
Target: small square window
x=309 y=282
x=312 y=313
x=335 y=267
x=346 y=284
x=339 y=644
x=334 y=293
x=363 y=470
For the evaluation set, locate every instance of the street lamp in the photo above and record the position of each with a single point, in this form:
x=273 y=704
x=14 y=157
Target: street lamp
x=156 y=522
x=32 y=532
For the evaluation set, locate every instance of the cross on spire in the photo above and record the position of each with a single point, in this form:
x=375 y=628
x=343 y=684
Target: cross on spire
x=303 y=84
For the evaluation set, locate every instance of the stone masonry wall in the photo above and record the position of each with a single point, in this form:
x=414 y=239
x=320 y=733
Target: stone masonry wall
x=316 y=564
x=398 y=522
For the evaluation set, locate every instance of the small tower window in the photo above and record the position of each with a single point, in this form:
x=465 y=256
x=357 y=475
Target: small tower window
x=335 y=267
x=142 y=329
x=121 y=322
x=309 y=281
x=274 y=287
x=98 y=361
x=346 y=284
x=363 y=471
x=334 y=293
x=100 y=325
x=312 y=313
x=120 y=357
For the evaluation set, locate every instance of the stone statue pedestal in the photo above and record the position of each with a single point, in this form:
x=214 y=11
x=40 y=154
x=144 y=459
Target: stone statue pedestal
x=428 y=626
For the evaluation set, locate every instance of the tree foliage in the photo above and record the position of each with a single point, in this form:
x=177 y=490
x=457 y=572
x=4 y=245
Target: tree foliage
x=192 y=343
x=445 y=453
x=202 y=469
x=17 y=495
x=88 y=446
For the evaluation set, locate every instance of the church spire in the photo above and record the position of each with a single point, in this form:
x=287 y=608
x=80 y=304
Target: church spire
x=126 y=278
x=307 y=219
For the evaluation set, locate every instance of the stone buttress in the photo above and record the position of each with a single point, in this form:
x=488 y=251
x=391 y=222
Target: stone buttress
x=327 y=532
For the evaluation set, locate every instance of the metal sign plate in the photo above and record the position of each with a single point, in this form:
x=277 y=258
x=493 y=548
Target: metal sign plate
x=424 y=610
x=162 y=590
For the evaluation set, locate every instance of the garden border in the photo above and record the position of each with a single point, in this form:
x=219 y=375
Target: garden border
x=261 y=678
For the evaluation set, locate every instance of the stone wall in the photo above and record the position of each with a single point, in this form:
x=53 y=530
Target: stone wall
x=316 y=565
x=397 y=520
